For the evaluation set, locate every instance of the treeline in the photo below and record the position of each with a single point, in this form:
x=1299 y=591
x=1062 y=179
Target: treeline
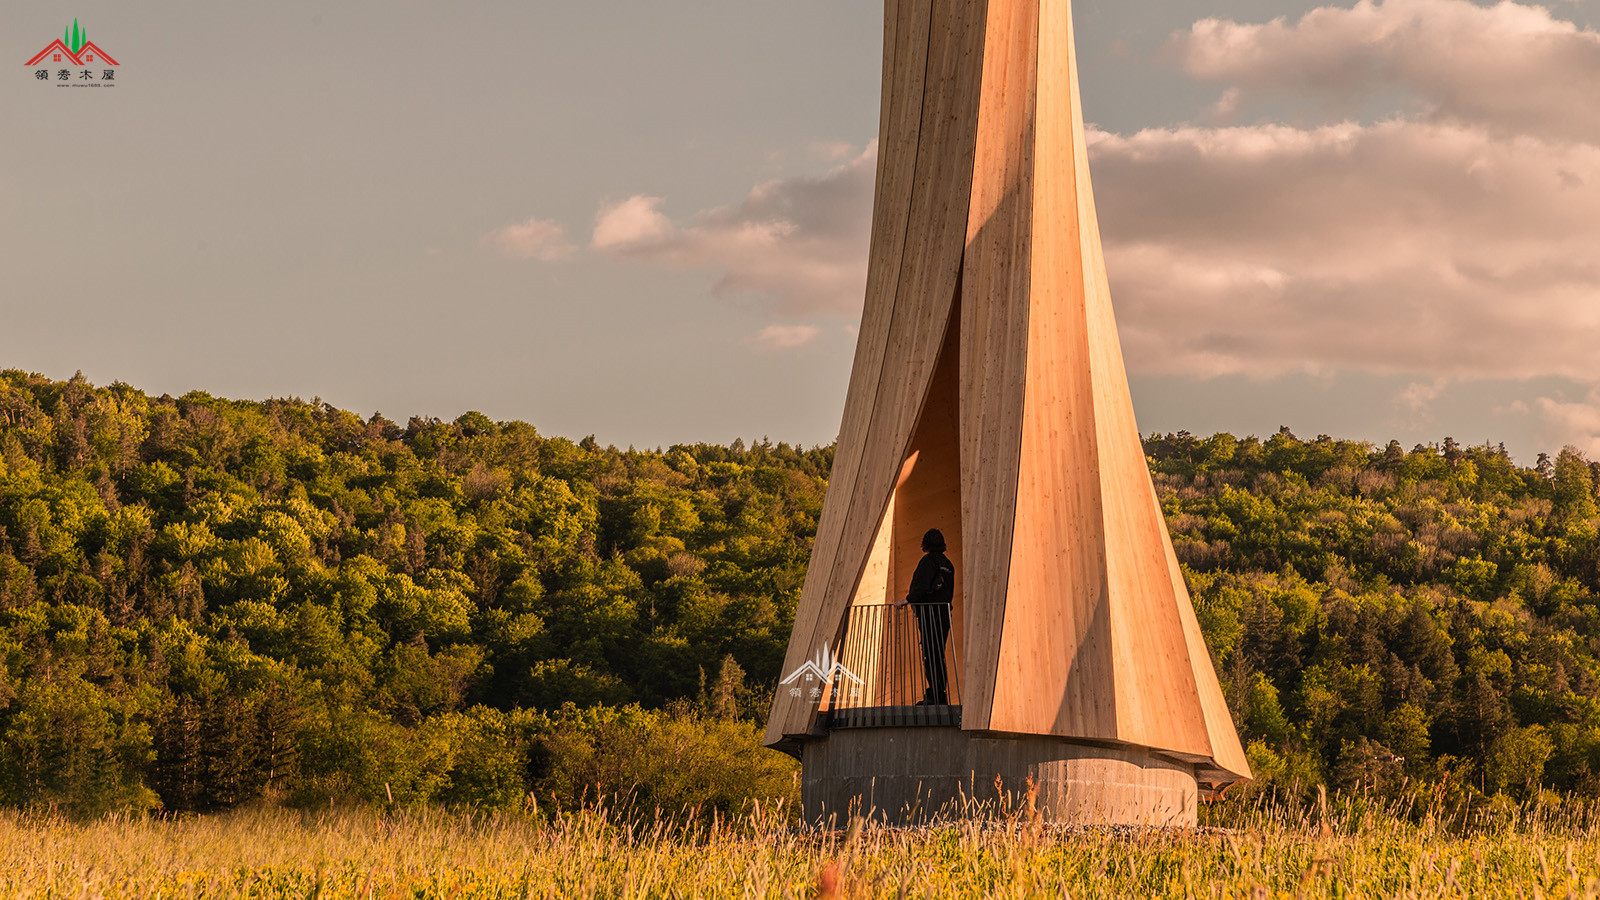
x=1383 y=615
x=205 y=602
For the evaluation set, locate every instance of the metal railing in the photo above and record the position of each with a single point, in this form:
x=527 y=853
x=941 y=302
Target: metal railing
x=900 y=668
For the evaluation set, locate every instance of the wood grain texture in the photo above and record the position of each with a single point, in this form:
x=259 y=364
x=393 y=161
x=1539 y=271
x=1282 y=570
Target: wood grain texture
x=931 y=268
x=994 y=343
x=866 y=652
x=929 y=491
x=989 y=388
x=912 y=280
x=905 y=54
x=1156 y=697
x=1054 y=672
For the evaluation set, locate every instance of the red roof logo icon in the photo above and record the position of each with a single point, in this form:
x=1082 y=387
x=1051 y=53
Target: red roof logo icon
x=75 y=46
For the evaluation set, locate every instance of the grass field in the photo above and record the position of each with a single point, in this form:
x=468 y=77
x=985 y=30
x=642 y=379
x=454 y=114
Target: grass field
x=423 y=853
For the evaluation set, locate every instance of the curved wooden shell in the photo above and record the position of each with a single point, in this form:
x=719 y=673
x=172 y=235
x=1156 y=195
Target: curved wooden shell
x=989 y=399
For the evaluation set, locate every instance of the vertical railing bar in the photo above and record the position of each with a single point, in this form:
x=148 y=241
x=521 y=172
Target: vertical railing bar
x=852 y=644
x=877 y=658
x=908 y=694
x=847 y=652
x=914 y=663
x=922 y=656
x=919 y=669
x=913 y=654
x=886 y=666
x=883 y=646
x=894 y=637
x=888 y=654
x=869 y=650
x=894 y=655
x=855 y=657
x=855 y=654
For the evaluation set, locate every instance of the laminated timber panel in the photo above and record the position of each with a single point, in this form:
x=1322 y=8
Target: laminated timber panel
x=1158 y=700
x=1166 y=689
x=994 y=339
x=905 y=54
x=931 y=269
x=1167 y=692
x=1099 y=639
x=932 y=71
x=1055 y=674
x=878 y=579
x=1073 y=620
x=1157 y=704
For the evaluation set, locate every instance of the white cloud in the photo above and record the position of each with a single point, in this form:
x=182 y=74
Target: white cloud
x=1402 y=247
x=800 y=240
x=1577 y=424
x=1510 y=66
x=534 y=239
x=634 y=223
x=1416 y=401
x=783 y=337
x=1459 y=242
x=833 y=151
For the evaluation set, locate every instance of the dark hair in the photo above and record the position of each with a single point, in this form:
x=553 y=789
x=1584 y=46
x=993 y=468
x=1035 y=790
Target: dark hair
x=933 y=541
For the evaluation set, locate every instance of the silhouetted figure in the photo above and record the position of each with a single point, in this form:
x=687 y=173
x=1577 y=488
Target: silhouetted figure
x=933 y=587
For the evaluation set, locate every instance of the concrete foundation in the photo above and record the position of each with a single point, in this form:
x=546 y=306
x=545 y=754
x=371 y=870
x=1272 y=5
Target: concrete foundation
x=910 y=775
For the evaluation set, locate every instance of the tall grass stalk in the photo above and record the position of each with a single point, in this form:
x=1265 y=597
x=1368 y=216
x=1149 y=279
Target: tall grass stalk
x=1333 y=849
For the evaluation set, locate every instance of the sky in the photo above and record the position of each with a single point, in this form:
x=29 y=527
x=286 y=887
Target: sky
x=648 y=221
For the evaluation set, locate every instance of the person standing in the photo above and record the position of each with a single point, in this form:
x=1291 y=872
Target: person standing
x=933 y=587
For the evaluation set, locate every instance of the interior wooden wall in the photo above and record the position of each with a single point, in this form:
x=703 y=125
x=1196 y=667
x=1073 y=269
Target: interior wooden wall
x=929 y=492
x=866 y=654
x=1075 y=618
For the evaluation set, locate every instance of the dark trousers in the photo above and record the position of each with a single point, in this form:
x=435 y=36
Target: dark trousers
x=933 y=622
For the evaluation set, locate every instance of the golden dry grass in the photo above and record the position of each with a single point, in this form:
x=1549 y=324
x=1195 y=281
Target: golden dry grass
x=429 y=853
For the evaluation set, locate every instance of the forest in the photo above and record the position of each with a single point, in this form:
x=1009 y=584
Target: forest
x=206 y=603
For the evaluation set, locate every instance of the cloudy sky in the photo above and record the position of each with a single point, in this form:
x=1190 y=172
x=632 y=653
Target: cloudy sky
x=648 y=221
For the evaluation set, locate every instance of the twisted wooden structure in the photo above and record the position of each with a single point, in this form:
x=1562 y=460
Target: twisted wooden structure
x=988 y=398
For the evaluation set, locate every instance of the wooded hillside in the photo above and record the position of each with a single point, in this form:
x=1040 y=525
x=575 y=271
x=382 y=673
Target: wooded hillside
x=205 y=601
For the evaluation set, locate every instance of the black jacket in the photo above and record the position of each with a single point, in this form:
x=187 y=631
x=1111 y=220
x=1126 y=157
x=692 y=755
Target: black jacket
x=934 y=581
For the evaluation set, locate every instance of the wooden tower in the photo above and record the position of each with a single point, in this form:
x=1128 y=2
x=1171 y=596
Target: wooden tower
x=989 y=399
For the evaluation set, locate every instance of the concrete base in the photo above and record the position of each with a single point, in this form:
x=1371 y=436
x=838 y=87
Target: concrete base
x=909 y=775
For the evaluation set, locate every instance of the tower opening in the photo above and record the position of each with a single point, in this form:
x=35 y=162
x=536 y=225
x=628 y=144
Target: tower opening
x=883 y=643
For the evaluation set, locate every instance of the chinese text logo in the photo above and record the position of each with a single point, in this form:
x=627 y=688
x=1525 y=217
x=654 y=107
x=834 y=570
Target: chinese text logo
x=815 y=674
x=76 y=50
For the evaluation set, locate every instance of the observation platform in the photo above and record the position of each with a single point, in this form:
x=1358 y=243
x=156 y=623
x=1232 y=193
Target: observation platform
x=883 y=755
